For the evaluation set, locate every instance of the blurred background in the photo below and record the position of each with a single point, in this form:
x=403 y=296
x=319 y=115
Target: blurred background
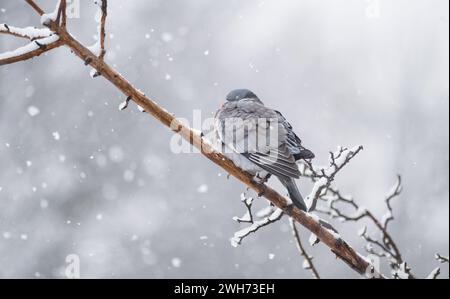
x=78 y=176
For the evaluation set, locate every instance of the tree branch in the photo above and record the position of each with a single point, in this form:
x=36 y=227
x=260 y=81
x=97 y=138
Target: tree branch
x=388 y=246
x=248 y=217
x=308 y=263
x=31 y=33
x=441 y=259
x=324 y=176
x=104 y=11
x=35 y=7
x=33 y=49
x=256 y=226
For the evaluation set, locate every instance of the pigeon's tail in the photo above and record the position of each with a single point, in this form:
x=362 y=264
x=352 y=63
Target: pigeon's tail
x=294 y=193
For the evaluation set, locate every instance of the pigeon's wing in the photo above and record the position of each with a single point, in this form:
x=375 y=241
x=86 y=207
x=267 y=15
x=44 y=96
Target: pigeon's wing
x=279 y=162
x=243 y=126
x=294 y=142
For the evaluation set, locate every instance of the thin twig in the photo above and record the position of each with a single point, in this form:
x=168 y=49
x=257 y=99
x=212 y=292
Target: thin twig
x=104 y=9
x=35 y=7
x=441 y=259
x=30 y=33
x=62 y=14
x=248 y=217
x=34 y=49
x=239 y=236
x=309 y=265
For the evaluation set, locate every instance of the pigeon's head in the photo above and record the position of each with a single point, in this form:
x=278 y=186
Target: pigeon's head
x=242 y=94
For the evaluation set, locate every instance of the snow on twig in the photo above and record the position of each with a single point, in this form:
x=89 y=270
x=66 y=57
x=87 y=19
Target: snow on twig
x=31 y=33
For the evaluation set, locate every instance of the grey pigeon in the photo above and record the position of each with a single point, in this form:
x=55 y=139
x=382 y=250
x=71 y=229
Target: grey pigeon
x=260 y=141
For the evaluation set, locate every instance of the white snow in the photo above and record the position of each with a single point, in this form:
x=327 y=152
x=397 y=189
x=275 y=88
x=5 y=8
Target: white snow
x=435 y=273
x=167 y=37
x=203 y=189
x=30 y=47
x=362 y=231
x=313 y=240
x=386 y=216
x=239 y=235
x=47 y=18
x=402 y=272
x=265 y=212
x=306 y=265
x=245 y=218
x=311 y=199
x=96 y=48
x=123 y=105
x=33 y=111
x=93 y=73
x=56 y=135
x=176 y=262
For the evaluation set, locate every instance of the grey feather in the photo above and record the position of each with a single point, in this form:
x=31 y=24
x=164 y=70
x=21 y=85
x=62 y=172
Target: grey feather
x=294 y=193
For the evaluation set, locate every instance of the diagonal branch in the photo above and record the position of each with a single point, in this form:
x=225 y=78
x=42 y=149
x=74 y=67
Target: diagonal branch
x=35 y=7
x=248 y=216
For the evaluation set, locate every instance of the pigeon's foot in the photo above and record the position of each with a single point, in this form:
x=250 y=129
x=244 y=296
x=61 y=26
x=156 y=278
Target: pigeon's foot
x=260 y=178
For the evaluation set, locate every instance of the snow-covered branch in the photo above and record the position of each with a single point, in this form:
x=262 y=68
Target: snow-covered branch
x=42 y=40
x=435 y=273
x=239 y=236
x=337 y=207
x=31 y=33
x=324 y=176
x=33 y=49
x=441 y=259
x=99 y=47
x=248 y=216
